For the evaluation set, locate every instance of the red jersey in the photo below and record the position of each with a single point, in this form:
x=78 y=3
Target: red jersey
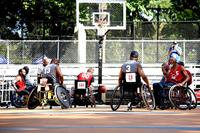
x=20 y=85
x=175 y=75
x=86 y=76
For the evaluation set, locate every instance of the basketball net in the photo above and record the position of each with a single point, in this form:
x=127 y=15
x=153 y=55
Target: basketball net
x=101 y=27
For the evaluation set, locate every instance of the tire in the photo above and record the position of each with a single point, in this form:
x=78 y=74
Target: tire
x=148 y=97
x=33 y=100
x=180 y=97
x=116 y=98
x=194 y=99
x=19 y=100
x=63 y=96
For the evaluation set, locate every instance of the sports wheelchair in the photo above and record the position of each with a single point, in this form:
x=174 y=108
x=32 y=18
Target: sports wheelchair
x=135 y=93
x=179 y=97
x=47 y=93
x=182 y=97
x=82 y=95
x=19 y=99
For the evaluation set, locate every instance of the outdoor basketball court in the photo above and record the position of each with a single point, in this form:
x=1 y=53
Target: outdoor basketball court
x=98 y=120
x=102 y=16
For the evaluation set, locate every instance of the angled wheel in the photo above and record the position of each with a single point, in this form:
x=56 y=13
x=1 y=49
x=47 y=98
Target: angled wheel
x=116 y=98
x=148 y=97
x=33 y=100
x=20 y=99
x=63 y=96
x=180 y=97
x=194 y=99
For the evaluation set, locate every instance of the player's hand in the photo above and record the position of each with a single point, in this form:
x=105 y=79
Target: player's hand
x=180 y=84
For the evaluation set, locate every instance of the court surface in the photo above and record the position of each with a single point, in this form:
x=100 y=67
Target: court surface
x=99 y=120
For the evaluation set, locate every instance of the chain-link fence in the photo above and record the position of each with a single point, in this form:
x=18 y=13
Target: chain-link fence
x=114 y=51
x=135 y=30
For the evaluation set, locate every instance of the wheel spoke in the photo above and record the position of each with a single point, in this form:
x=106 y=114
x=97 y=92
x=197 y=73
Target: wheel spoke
x=147 y=97
x=180 y=97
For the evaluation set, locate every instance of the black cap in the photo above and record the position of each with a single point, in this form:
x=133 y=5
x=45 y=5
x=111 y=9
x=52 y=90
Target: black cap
x=134 y=54
x=26 y=68
x=174 y=42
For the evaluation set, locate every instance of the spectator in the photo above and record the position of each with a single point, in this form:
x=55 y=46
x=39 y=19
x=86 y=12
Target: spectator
x=175 y=49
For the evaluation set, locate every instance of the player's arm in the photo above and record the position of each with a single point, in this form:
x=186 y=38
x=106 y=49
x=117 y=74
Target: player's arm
x=92 y=79
x=59 y=75
x=185 y=74
x=142 y=74
x=170 y=50
x=120 y=77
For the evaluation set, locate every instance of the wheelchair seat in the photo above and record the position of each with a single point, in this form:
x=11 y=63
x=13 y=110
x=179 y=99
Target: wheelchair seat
x=82 y=96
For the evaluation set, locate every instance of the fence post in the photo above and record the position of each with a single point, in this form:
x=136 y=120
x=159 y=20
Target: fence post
x=58 y=48
x=8 y=52
x=142 y=52
x=184 y=51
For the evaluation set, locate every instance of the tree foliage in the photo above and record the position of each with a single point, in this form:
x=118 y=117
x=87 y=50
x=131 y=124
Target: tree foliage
x=26 y=19
x=37 y=17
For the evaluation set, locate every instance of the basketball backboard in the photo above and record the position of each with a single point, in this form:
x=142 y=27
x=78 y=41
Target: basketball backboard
x=109 y=14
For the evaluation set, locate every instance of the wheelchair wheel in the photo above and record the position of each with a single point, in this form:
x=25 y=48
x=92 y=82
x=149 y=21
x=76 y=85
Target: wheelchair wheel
x=194 y=99
x=63 y=96
x=148 y=97
x=20 y=99
x=180 y=97
x=33 y=100
x=116 y=98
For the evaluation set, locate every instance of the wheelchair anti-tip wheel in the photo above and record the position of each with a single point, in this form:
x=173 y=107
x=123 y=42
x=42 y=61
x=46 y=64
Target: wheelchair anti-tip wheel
x=180 y=97
x=148 y=97
x=116 y=98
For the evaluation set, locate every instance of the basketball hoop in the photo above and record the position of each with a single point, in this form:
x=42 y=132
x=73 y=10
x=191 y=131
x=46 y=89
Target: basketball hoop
x=103 y=16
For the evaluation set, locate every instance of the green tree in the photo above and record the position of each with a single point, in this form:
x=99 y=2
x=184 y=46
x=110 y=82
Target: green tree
x=37 y=17
x=8 y=18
